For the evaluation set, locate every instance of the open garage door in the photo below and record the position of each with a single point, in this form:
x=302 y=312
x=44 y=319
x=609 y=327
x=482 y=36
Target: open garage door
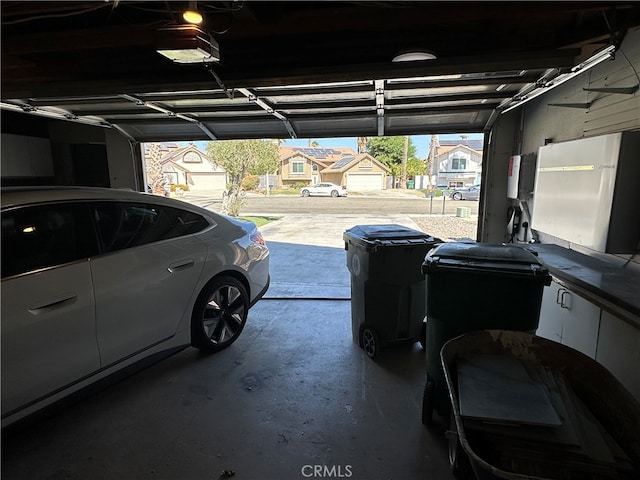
x=365 y=181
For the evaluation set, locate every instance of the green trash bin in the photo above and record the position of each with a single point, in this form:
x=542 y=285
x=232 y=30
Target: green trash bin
x=388 y=288
x=476 y=286
x=411 y=184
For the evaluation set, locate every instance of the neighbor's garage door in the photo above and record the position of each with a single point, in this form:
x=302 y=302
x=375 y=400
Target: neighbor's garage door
x=208 y=181
x=364 y=181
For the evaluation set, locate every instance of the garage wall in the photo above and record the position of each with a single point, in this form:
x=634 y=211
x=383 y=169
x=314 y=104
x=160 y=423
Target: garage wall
x=26 y=156
x=524 y=130
x=39 y=151
x=499 y=146
x=125 y=161
x=607 y=113
x=118 y=151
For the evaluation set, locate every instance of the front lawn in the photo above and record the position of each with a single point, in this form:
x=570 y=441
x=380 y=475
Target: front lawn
x=260 y=221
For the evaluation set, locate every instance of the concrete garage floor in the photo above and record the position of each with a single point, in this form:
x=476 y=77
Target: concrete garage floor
x=293 y=398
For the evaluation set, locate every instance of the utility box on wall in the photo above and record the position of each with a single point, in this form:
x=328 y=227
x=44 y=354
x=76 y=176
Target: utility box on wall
x=586 y=192
x=521 y=176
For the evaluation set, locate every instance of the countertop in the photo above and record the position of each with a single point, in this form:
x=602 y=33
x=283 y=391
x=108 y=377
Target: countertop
x=614 y=284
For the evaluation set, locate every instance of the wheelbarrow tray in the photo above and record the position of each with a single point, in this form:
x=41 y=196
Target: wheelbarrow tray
x=571 y=419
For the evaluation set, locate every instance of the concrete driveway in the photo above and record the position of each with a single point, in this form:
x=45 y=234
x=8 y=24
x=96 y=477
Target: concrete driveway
x=292 y=398
x=307 y=253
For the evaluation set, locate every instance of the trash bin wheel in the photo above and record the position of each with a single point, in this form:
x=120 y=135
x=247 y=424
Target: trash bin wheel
x=427 y=403
x=458 y=459
x=370 y=342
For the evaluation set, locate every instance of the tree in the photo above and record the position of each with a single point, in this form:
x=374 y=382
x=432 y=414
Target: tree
x=391 y=152
x=362 y=144
x=415 y=167
x=155 y=177
x=241 y=158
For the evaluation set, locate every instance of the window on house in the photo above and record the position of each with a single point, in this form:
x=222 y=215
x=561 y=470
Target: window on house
x=297 y=167
x=458 y=162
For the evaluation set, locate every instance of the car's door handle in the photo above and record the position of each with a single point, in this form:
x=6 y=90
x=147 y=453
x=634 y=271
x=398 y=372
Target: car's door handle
x=58 y=301
x=182 y=265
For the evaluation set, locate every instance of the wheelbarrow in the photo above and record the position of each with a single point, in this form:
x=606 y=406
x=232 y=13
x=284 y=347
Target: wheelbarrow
x=524 y=407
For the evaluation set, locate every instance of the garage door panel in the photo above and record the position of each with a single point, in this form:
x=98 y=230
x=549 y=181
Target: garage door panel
x=369 y=181
x=207 y=181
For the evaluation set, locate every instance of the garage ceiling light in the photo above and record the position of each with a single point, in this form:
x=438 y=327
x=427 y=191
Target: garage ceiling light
x=187 y=44
x=191 y=15
x=414 y=56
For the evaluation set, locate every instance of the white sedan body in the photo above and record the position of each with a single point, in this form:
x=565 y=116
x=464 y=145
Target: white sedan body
x=83 y=295
x=324 y=189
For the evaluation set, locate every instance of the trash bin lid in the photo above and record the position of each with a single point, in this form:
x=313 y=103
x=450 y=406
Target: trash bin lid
x=386 y=235
x=492 y=258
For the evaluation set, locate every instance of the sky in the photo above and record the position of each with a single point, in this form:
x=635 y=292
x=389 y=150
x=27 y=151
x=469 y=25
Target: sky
x=421 y=142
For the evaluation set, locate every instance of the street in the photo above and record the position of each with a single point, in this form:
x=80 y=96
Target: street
x=389 y=203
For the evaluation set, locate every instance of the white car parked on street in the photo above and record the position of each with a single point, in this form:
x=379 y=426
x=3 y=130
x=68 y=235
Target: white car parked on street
x=324 y=189
x=95 y=280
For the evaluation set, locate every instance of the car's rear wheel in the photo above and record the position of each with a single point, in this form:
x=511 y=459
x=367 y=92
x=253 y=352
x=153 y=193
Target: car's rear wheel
x=334 y=193
x=219 y=315
x=457 y=196
x=370 y=342
x=305 y=193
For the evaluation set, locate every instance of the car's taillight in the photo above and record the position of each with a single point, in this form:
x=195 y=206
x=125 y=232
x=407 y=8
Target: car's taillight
x=257 y=238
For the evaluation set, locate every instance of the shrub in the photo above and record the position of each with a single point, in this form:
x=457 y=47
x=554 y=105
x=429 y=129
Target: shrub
x=250 y=182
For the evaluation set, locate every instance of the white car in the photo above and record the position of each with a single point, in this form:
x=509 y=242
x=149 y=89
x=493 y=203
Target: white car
x=95 y=280
x=324 y=189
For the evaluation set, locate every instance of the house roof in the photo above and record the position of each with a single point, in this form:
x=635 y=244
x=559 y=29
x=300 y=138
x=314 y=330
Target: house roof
x=442 y=151
x=446 y=146
x=172 y=153
x=323 y=155
x=348 y=162
x=475 y=144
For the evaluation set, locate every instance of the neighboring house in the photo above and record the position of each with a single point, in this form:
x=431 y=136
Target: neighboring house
x=458 y=163
x=304 y=164
x=358 y=172
x=342 y=166
x=190 y=166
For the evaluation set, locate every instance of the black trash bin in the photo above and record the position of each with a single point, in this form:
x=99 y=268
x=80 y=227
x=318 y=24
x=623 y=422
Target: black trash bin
x=476 y=286
x=388 y=289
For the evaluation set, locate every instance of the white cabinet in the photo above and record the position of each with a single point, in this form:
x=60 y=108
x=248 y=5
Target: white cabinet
x=570 y=319
x=567 y=318
x=619 y=351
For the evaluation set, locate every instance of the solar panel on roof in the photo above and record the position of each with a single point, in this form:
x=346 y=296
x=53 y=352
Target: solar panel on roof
x=343 y=161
